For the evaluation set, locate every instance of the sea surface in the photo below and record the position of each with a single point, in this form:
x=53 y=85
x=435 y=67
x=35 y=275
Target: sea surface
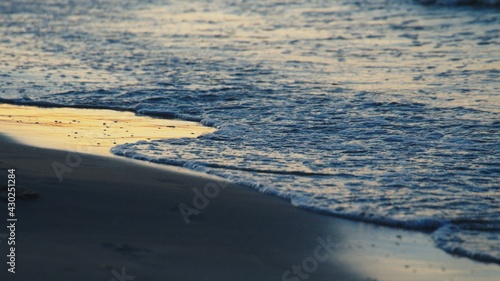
x=381 y=111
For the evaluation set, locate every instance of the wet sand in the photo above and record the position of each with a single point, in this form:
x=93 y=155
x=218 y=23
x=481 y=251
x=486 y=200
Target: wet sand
x=93 y=131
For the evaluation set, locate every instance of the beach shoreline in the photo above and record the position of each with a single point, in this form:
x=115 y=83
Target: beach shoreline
x=250 y=140
x=113 y=216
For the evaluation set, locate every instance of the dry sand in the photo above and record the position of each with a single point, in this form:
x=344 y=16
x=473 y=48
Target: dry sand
x=108 y=218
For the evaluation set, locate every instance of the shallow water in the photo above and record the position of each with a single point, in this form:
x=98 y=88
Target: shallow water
x=384 y=111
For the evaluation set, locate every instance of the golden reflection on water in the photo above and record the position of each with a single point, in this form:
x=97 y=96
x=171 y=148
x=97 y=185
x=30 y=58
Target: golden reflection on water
x=93 y=131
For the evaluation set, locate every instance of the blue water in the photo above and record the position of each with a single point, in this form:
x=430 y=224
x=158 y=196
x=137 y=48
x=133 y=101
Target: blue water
x=382 y=111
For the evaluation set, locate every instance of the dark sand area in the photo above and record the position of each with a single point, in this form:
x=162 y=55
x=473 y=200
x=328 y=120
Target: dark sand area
x=118 y=218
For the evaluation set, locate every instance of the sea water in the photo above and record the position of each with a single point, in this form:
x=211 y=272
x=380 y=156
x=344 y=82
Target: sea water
x=382 y=111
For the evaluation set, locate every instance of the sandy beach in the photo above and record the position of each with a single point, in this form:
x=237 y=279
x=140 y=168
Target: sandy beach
x=112 y=218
